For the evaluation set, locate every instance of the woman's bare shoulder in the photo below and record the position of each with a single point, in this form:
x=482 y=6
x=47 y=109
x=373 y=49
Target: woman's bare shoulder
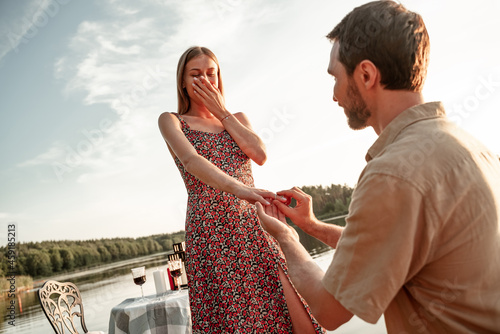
x=168 y=119
x=167 y=116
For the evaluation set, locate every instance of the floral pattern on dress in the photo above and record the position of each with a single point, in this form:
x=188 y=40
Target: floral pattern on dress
x=231 y=262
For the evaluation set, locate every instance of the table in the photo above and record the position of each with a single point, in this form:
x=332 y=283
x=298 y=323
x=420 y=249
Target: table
x=169 y=313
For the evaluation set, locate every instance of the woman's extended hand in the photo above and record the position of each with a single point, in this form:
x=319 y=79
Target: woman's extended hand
x=254 y=195
x=274 y=222
x=210 y=96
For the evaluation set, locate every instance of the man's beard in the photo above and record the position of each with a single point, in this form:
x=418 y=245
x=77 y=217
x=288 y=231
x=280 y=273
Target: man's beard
x=356 y=111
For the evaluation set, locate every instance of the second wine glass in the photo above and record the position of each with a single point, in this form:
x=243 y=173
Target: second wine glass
x=175 y=267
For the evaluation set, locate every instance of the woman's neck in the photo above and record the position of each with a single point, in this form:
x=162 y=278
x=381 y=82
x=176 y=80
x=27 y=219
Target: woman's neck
x=203 y=120
x=199 y=110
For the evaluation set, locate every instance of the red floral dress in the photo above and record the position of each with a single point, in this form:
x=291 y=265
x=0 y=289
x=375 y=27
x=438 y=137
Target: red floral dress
x=232 y=263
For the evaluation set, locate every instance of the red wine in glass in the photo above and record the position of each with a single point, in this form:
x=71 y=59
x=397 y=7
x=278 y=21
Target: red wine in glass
x=175 y=267
x=139 y=276
x=140 y=280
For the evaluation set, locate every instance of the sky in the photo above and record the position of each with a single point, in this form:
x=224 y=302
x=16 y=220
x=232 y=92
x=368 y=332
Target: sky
x=83 y=83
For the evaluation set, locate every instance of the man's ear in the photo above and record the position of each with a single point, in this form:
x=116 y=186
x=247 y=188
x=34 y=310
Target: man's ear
x=367 y=74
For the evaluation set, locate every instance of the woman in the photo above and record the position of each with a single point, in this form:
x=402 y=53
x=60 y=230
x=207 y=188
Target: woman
x=236 y=274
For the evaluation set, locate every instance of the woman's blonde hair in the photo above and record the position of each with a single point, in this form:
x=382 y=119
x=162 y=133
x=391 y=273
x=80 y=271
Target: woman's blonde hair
x=183 y=102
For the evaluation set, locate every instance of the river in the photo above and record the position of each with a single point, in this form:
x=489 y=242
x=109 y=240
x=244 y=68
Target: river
x=107 y=286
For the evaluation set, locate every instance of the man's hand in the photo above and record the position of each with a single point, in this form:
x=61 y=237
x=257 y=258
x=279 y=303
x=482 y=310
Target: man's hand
x=274 y=222
x=302 y=214
x=306 y=275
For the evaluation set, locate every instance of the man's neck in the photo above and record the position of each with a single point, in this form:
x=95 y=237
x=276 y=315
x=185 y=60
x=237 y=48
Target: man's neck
x=390 y=105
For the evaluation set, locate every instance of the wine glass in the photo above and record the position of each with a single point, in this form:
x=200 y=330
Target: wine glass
x=139 y=275
x=175 y=267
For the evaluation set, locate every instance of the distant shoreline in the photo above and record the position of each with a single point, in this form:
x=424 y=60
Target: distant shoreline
x=36 y=284
x=82 y=272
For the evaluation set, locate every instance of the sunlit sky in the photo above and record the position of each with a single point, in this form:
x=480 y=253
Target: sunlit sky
x=83 y=82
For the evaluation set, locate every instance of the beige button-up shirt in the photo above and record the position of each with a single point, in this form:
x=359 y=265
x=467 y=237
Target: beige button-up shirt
x=422 y=239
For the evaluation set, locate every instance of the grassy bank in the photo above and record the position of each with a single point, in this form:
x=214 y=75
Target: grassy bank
x=21 y=283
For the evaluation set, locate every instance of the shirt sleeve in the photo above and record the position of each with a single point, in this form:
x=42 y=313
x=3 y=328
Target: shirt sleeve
x=385 y=242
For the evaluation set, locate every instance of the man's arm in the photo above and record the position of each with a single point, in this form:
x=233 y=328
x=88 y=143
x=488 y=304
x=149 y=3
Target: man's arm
x=304 y=272
x=303 y=216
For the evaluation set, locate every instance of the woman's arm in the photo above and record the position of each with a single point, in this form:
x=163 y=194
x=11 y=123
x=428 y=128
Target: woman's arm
x=237 y=125
x=203 y=169
x=240 y=129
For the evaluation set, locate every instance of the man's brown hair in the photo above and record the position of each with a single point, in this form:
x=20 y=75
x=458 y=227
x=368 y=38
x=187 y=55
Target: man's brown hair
x=390 y=36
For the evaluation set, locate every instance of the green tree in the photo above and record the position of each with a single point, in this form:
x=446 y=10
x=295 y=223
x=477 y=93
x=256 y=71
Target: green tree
x=177 y=238
x=104 y=253
x=339 y=206
x=113 y=250
x=49 y=257
x=68 y=258
x=38 y=263
x=167 y=245
x=56 y=260
x=330 y=201
x=123 y=249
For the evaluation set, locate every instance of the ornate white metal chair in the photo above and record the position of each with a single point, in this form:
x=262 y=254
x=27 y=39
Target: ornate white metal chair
x=61 y=303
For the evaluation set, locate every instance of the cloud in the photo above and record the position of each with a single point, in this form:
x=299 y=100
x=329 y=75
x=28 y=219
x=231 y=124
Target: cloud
x=108 y=59
x=117 y=172
x=127 y=62
x=22 y=20
x=55 y=152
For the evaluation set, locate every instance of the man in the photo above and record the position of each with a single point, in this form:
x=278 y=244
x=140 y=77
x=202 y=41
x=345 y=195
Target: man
x=422 y=239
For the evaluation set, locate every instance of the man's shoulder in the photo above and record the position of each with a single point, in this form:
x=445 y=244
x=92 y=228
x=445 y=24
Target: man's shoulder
x=424 y=152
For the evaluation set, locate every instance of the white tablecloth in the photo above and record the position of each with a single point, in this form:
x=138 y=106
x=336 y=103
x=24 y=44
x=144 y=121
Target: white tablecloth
x=169 y=313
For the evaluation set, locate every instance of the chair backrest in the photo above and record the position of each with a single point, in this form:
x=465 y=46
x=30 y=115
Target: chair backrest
x=61 y=302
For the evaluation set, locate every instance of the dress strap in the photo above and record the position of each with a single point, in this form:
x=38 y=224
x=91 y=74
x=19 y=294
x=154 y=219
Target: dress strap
x=184 y=124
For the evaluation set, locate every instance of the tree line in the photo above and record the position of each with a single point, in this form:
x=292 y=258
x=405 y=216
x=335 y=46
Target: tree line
x=330 y=201
x=42 y=259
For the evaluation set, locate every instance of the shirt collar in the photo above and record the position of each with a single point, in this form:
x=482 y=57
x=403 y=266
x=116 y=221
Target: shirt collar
x=406 y=118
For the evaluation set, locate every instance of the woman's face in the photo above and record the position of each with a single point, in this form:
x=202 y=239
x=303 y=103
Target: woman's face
x=201 y=65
